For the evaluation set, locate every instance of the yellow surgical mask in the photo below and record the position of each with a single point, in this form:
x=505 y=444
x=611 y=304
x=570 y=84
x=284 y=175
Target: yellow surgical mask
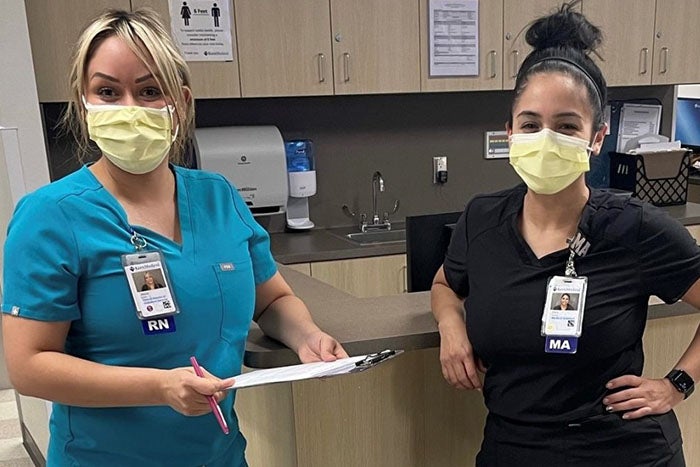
x=548 y=161
x=135 y=139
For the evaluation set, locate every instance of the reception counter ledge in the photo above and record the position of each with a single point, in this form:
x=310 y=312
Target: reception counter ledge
x=401 y=413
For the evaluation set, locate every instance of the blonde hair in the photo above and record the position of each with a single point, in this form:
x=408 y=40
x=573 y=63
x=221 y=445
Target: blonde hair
x=145 y=35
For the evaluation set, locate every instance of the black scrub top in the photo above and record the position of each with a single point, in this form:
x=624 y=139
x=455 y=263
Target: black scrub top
x=636 y=250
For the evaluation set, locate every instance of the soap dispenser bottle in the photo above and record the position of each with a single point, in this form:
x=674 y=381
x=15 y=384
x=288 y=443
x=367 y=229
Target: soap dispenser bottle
x=302 y=182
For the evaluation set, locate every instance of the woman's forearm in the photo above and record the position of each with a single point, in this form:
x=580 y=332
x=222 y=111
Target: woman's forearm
x=69 y=380
x=287 y=320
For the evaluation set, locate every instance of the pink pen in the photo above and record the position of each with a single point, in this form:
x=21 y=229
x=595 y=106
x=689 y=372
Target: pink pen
x=212 y=401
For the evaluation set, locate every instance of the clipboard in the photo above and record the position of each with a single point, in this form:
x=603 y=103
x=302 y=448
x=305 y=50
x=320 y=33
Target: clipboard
x=285 y=374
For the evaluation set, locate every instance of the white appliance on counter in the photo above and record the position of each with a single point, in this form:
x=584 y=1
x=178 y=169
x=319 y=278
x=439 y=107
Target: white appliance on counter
x=250 y=157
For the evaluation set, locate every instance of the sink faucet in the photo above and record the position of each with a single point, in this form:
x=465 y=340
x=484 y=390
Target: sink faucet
x=376 y=223
x=377 y=183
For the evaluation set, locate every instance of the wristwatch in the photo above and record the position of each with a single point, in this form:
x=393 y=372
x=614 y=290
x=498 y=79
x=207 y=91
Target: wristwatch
x=681 y=381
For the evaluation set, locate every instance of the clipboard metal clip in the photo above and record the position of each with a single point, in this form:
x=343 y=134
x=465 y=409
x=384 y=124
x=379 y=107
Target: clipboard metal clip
x=374 y=358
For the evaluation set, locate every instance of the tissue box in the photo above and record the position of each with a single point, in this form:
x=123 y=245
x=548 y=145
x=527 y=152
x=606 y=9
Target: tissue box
x=660 y=178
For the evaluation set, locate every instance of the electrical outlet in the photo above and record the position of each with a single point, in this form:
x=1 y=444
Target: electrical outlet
x=440 y=170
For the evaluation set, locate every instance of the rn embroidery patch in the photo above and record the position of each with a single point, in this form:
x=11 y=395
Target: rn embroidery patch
x=158 y=326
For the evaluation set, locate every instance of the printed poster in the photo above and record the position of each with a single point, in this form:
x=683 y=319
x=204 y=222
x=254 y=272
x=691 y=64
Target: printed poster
x=202 y=29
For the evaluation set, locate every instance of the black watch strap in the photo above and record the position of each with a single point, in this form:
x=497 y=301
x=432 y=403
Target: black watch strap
x=681 y=381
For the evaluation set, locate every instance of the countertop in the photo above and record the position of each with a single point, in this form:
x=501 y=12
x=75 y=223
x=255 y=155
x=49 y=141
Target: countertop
x=324 y=245
x=327 y=245
x=366 y=325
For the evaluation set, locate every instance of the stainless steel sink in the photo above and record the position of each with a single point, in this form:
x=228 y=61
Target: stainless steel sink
x=372 y=237
x=377 y=236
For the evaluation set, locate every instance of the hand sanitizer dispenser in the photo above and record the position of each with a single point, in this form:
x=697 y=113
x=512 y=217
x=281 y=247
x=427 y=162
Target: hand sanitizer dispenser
x=302 y=182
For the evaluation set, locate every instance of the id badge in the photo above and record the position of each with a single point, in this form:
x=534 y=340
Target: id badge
x=562 y=318
x=149 y=284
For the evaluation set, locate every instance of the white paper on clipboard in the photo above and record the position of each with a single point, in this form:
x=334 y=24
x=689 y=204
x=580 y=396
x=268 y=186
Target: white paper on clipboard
x=637 y=120
x=285 y=374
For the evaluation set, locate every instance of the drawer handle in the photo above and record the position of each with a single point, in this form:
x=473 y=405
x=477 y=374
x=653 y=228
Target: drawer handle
x=492 y=56
x=514 y=54
x=321 y=65
x=643 y=57
x=346 y=66
x=664 y=60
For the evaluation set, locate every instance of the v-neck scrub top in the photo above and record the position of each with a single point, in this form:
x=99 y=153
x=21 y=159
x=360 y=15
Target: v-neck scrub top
x=636 y=250
x=63 y=263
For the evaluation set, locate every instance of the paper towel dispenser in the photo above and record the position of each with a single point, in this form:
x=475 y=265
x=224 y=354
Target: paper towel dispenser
x=252 y=158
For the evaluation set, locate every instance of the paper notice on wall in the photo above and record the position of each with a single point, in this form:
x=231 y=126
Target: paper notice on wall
x=637 y=120
x=202 y=29
x=454 y=37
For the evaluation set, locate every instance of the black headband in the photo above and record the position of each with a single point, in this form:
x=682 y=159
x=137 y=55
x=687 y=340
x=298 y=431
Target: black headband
x=598 y=91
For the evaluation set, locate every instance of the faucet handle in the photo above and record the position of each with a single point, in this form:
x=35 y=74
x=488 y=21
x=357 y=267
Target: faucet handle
x=396 y=207
x=348 y=211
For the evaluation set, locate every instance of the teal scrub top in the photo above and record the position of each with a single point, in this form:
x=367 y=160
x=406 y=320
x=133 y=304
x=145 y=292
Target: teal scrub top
x=63 y=263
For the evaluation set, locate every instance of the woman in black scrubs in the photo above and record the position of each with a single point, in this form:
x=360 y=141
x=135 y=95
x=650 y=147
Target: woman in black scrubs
x=564 y=387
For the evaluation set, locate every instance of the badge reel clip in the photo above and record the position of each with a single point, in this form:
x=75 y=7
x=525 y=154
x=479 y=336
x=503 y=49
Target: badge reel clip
x=562 y=318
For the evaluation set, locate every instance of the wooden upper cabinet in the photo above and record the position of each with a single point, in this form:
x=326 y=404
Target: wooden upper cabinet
x=677 y=42
x=517 y=16
x=285 y=47
x=375 y=46
x=626 y=51
x=54 y=28
x=209 y=79
x=490 y=50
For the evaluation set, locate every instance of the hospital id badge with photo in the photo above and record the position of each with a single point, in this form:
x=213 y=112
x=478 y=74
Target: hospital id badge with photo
x=149 y=284
x=562 y=318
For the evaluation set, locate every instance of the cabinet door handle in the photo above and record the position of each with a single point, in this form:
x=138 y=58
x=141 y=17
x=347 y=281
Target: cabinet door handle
x=514 y=72
x=346 y=67
x=404 y=275
x=321 y=65
x=492 y=56
x=663 y=67
x=643 y=57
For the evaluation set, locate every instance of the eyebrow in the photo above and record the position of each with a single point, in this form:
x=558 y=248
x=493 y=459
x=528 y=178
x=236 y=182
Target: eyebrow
x=141 y=79
x=529 y=113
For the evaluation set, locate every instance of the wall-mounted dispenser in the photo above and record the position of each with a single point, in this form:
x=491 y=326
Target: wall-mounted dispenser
x=302 y=182
x=250 y=157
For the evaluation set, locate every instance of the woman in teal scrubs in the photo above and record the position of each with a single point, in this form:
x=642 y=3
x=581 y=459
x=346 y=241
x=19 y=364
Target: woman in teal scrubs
x=123 y=391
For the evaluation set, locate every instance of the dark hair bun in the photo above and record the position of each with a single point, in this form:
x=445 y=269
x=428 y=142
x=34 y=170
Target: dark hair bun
x=565 y=28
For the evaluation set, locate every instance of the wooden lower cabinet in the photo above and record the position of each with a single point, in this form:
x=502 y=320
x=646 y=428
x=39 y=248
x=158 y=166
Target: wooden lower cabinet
x=694 y=231
x=400 y=414
x=693 y=193
x=364 y=277
x=304 y=268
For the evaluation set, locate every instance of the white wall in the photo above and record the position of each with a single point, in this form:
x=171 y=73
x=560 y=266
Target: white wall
x=23 y=150
x=19 y=103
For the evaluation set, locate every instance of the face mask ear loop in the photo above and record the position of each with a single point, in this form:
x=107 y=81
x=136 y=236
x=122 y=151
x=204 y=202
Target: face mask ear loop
x=171 y=113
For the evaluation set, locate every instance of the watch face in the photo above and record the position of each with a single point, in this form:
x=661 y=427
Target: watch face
x=681 y=380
